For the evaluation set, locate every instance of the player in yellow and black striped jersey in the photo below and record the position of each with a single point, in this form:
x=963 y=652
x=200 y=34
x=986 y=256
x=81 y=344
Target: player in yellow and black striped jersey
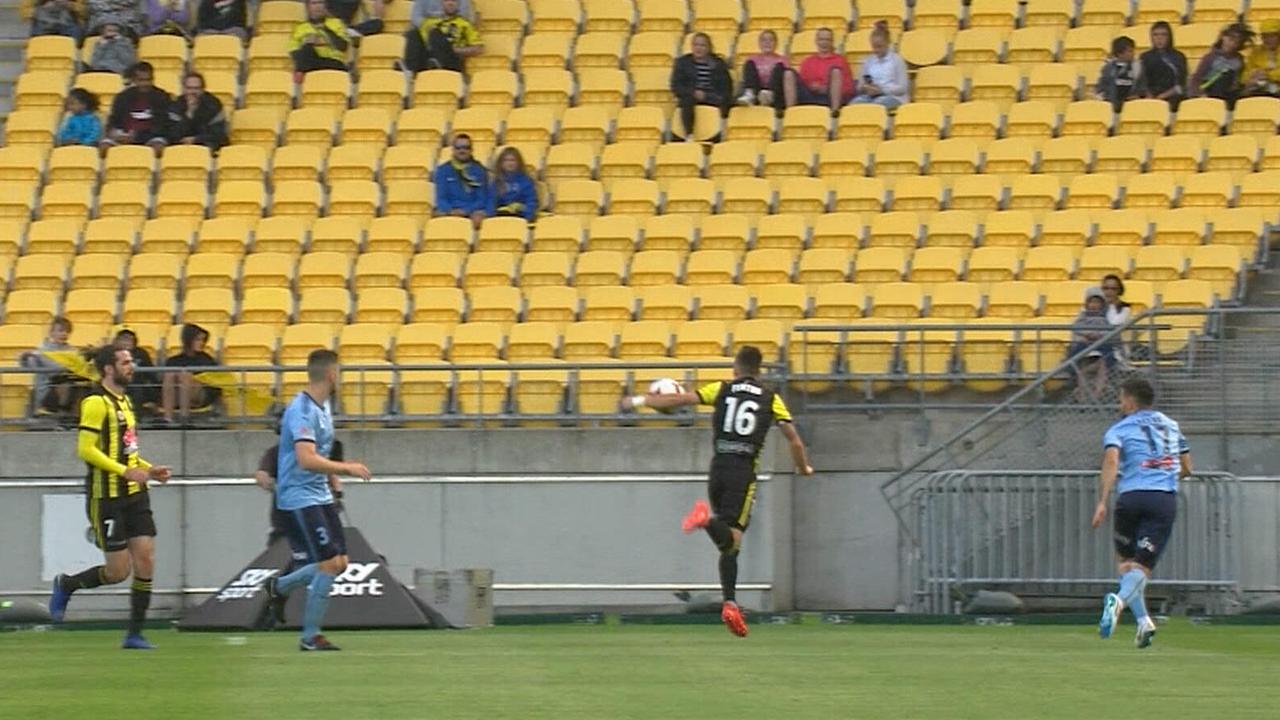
x=116 y=497
x=744 y=411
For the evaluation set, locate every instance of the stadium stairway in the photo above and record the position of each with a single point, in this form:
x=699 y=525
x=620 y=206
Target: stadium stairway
x=13 y=36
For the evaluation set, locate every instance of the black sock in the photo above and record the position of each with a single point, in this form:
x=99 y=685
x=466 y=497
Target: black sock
x=85 y=579
x=139 y=601
x=729 y=575
x=720 y=532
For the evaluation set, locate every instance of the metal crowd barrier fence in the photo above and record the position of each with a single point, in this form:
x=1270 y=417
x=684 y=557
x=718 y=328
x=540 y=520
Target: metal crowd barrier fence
x=1028 y=532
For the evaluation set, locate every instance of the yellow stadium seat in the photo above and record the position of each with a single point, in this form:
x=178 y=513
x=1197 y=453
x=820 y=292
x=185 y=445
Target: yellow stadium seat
x=1119 y=156
x=243 y=162
x=1159 y=263
x=662 y=232
x=810 y=122
x=1066 y=157
x=975 y=45
x=417 y=129
x=1013 y=300
x=952 y=228
x=842 y=158
x=326 y=306
x=1215 y=11
x=505 y=234
x=654 y=267
x=185 y=163
x=732 y=158
x=865 y=122
x=41 y=89
x=353 y=162
x=616 y=304
x=747 y=196
x=417 y=342
x=586 y=124
x=999 y=84
x=664 y=17
x=487 y=269
x=723 y=232
x=178 y=199
x=129 y=163
x=407 y=162
x=1072 y=228
x=1201 y=116
x=268 y=270
x=1240 y=227
x=605 y=89
x=711 y=267
x=1123 y=227
x=1260 y=190
x=1009 y=229
x=40 y=272
x=1184 y=226
x=859 y=194
x=1030 y=121
x=678 y=160
x=499 y=51
x=497 y=304
x=649 y=49
x=1064 y=299
x=785 y=302
x=1147 y=117
x=819 y=266
x=694 y=196
x=172 y=235
x=552 y=88
x=936 y=265
x=1219 y=265
x=1256 y=116
x=612 y=232
x=365 y=126
x=1008 y=158
x=212 y=270
x=53 y=237
x=31 y=127
x=447 y=234
x=900 y=229
x=579 y=197
x=959 y=300
x=66 y=200
x=1093 y=191
x=1049 y=263
x=618 y=161
x=17 y=203
x=973 y=124
x=788 y=159
x=379 y=270
x=701 y=339
x=1054 y=84
x=722 y=302
x=641 y=124
x=751 y=123
x=634 y=197
x=438 y=89
x=439 y=305
x=1213 y=190
x=125 y=198
x=768 y=267
x=297 y=162
x=921 y=120
x=296 y=198
x=22 y=164
x=155 y=270
x=917 y=193
x=839 y=301
x=556 y=304
x=1100 y=260
x=784 y=232
x=113 y=236
x=282 y=235
x=600 y=49
x=1094 y=118
x=981 y=193
x=268 y=90
x=1154 y=190
x=1236 y=154
x=396 y=235
x=30 y=307
x=324 y=270
x=358 y=199
x=1176 y=156
x=897 y=300
x=880 y=264
x=644 y=339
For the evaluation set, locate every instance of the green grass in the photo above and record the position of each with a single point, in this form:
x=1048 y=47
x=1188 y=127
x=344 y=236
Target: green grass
x=669 y=672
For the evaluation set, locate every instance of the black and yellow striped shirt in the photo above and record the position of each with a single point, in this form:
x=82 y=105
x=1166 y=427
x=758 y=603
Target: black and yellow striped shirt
x=108 y=444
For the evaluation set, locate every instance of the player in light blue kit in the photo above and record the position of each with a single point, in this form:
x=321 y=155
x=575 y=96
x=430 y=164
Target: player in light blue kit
x=302 y=491
x=1149 y=454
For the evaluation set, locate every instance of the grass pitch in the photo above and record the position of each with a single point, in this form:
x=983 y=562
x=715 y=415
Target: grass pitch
x=670 y=672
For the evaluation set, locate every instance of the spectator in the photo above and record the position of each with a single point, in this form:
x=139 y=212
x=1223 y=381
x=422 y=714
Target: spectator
x=222 y=17
x=142 y=390
x=197 y=118
x=1090 y=326
x=56 y=17
x=825 y=77
x=762 y=73
x=180 y=391
x=319 y=42
x=53 y=387
x=346 y=11
x=114 y=51
x=81 y=126
x=423 y=9
x=140 y=113
x=1118 y=313
x=441 y=42
x=883 y=73
x=168 y=17
x=127 y=14
x=1262 y=69
x=1164 y=68
x=513 y=193
x=1121 y=78
x=462 y=184
x=1220 y=73
x=700 y=78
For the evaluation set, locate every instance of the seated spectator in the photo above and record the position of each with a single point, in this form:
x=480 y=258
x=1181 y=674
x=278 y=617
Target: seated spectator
x=168 y=17
x=700 y=78
x=1262 y=69
x=762 y=73
x=1118 y=313
x=462 y=184
x=180 y=392
x=142 y=390
x=127 y=14
x=114 y=51
x=55 y=389
x=197 y=118
x=423 y=9
x=441 y=42
x=825 y=77
x=514 y=193
x=222 y=17
x=347 y=10
x=883 y=73
x=1163 y=67
x=1121 y=78
x=320 y=42
x=140 y=113
x=1090 y=326
x=1220 y=73
x=56 y=17
x=81 y=126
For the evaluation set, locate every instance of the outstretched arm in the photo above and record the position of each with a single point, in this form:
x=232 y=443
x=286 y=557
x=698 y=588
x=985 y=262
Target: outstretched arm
x=660 y=402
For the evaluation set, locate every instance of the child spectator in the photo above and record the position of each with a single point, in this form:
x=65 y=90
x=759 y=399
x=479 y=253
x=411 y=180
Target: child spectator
x=1262 y=69
x=1220 y=73
x=1163 y=67
x=179 y=391
x=762 y=73
x=81 y=126
x=1121 y=76
x=514 y=193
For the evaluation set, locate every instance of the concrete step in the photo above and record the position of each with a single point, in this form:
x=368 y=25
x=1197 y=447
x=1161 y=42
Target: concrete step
x=11 y=50
x=11 y=25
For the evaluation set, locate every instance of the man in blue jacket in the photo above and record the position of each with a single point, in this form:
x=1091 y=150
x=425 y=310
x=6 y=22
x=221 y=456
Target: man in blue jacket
x=462 y=185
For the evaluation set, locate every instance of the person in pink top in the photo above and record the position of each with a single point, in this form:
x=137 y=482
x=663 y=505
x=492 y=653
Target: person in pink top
x=762 y=73
x=824 y=77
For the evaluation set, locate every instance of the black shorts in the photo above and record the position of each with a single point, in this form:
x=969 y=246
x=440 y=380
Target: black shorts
x=114 y=521
x=1143 y=524
x=282 y=527
x=318 y=530
x=731 y=488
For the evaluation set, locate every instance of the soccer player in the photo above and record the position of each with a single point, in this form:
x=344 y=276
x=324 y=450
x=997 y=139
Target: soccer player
x=302 y=490
x=744 y=410
x=1141 y=449
x=117 y=502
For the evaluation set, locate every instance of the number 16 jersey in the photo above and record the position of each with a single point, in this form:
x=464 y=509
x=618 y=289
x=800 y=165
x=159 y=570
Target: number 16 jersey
x=744 y=411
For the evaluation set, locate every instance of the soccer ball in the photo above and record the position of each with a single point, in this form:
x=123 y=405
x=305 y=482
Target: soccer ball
x=665 y=386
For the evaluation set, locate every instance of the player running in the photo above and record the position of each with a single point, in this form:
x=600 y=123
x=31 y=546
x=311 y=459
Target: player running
x=117 y=501
x=1141 y=448
x=744 y=410
x=303 y=490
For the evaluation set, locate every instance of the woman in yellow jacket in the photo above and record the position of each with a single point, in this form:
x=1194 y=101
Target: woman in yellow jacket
x=1262 y=67
x=320 y=42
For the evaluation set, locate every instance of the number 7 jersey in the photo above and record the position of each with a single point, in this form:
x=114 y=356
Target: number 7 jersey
x=744 y=411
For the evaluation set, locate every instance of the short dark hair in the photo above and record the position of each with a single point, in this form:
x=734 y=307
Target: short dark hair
x=140 y=67
x=105 y=357
x=748 y=359
x=1141 y=390
x=193 y=74
x=319 y=362
x=126 y=332
x=1122 y=44
x=461 y=136
x=1118 y=279
x=88 y=99
x=60 y=321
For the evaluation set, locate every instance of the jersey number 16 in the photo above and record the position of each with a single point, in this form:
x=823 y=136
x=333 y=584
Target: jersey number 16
x=740 y=417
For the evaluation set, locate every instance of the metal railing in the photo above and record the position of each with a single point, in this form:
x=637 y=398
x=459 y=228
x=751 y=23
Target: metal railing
x=1029 y=532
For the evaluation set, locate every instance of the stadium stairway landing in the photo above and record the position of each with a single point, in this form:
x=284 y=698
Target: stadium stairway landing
x=13 y=36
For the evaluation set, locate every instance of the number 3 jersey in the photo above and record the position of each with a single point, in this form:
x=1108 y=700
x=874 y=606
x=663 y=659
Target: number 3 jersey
x=1150 y=444
x=744 y=411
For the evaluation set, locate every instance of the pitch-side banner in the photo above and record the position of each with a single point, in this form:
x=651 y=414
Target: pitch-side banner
x=366 y=595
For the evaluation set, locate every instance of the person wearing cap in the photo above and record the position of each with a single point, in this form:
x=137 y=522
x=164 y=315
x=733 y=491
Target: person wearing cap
x=1262 y=67
x=1090 y=326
